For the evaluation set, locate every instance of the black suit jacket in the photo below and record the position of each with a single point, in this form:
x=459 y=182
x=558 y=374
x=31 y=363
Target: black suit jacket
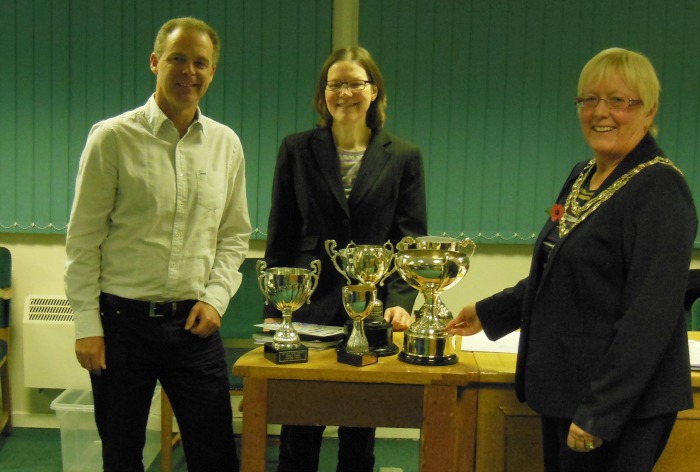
x=603 y=334
x=309 y=206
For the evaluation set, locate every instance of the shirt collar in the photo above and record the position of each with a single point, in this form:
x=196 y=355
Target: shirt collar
x=156 y=117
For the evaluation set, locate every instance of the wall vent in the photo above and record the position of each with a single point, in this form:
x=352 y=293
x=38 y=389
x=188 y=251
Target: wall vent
x=49 y=309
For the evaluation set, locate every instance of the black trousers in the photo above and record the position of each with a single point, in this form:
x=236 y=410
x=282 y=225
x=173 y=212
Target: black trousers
x=300 y=447
x=636 y=450
x=141 y=349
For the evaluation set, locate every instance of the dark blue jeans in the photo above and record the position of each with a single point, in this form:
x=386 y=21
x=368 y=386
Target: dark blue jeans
x=140 y=350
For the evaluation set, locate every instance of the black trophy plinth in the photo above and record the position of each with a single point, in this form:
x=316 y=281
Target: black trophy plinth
x=280 y=354
x=357 y=360
x=380 y=337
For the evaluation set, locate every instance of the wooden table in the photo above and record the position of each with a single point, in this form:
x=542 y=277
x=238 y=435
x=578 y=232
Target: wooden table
x=441 y=401
x=509 y=432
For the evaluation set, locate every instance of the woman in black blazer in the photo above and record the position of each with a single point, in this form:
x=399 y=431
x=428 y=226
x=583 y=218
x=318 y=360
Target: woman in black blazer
x=603 y=353
x=346 y=180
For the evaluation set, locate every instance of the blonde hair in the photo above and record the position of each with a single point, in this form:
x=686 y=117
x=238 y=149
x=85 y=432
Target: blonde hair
x=188 y=23
x=634 y=68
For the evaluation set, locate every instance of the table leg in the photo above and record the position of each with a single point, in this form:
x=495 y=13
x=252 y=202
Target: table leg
x=464 y=425
x=254 y=437
x=449 y=424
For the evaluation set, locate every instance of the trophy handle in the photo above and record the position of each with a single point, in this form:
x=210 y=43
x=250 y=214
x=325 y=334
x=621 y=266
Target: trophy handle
x=469 y=245
x=405 y=243
x=260 y=269
x=389 y=247
x=333 y=254
x=389 y=252
x=315 y=272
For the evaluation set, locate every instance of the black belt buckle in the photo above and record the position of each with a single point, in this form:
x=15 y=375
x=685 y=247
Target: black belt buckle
x=159 y=310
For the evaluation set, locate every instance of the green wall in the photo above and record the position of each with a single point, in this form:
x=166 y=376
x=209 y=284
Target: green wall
x=485 y=87
x=72 y=63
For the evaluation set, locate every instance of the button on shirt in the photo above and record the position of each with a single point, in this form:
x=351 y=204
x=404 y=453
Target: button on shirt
x=156 y=217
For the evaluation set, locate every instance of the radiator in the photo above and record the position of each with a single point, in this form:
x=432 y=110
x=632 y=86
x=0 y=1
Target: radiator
x=49 y=345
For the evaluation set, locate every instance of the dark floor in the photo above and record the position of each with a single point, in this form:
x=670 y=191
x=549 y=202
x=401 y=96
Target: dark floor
x=39 y=450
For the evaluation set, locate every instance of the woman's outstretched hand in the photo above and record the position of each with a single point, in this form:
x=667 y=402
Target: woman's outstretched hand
x=466 y=323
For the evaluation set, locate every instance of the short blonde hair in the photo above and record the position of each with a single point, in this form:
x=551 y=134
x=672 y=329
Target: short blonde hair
x=187 y=23
x=634 y=68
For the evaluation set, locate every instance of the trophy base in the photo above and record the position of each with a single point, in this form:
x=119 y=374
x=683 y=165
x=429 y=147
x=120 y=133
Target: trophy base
x=427 y=360
x=286 y=355
x=357 y=360
x=380 y=337
x=428 y=349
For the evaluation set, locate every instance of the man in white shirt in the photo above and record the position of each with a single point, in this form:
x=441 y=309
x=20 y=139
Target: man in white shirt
x=158 y=230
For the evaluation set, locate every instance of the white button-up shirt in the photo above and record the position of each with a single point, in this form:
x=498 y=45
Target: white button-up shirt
x=156 y=217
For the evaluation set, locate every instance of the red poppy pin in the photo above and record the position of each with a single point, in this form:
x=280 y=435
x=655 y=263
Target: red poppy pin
x=556 y=212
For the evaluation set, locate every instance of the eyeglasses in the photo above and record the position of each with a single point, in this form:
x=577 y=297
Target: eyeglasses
x=613 y=103
x=353 y=85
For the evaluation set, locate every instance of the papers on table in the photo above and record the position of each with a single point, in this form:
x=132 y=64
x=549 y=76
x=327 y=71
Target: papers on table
x=694 y=347
x=313 y=336
x=315 y=344
x=479 y=342
x=311 y=330
x=509 y=343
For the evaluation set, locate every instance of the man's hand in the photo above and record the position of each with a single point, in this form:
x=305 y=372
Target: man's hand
x=91 y=354
x=204 y=320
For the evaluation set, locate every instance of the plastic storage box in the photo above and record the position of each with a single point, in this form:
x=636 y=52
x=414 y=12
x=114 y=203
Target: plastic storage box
x=81 y=447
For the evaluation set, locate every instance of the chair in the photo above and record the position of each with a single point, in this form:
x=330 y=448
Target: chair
x=244 y=310
x=695 y=316
x=691 y=302
x=5 y=295
x=168 y=440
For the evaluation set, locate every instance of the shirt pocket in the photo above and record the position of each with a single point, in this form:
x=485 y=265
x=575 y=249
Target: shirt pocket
x=210 y=190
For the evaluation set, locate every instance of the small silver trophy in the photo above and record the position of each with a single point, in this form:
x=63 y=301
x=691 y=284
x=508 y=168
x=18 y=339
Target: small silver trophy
x=287 y=288
x=369 y=265
x=358 y=301
x=438 y=243
x=426 y=342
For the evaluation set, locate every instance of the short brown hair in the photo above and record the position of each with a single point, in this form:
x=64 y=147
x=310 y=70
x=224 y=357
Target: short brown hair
x=186 y=23
x=377 y=109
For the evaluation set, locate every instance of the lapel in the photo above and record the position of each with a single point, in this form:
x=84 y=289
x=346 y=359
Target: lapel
x=549 y=226
x=646 y=150
x=326 y=157
x=375 y=158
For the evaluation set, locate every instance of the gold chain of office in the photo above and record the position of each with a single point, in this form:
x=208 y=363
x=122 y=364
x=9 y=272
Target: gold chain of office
x=574 y=214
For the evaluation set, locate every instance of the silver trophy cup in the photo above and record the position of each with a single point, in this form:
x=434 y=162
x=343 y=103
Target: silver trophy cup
x=288 y=289
x=430 y=271
x=368 y=265
x=438 y=243
x=358 y=301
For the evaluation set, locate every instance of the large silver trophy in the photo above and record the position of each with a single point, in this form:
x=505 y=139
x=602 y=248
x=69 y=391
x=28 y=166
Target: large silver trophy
x=368 y=265
x=288 y=289
x=438 y=243
x=358 y=301
x=430 y=271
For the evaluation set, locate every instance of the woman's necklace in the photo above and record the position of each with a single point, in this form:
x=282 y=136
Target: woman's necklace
x=575 y=214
